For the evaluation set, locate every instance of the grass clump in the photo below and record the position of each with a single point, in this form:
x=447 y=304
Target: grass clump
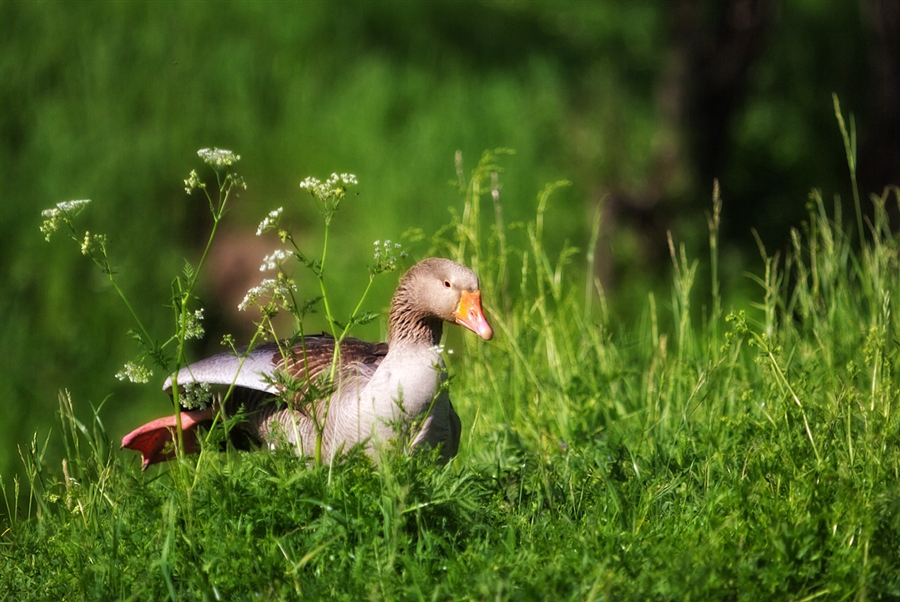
x=748 y=454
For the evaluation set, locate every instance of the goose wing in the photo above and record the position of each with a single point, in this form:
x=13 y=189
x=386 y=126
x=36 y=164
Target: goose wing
x=307 y=361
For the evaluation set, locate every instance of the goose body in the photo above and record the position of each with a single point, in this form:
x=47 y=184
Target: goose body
x=379 y=390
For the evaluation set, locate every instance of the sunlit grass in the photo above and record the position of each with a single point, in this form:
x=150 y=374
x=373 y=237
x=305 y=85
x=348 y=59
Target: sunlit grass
x=751 y=453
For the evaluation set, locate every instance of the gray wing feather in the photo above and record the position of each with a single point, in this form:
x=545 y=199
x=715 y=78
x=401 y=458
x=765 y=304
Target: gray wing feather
x=252 y=371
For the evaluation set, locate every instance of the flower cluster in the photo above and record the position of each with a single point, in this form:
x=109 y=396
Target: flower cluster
x=93 y=243
x=191 y=325
x=329 y=193
x=279 y=291
x=61 y=214
x=270 y=222
x=273 y=261
x=195 y=395
x=218 y=158
x=136 y=373
x=334 y=184
x=386 y=255
x=192 y=182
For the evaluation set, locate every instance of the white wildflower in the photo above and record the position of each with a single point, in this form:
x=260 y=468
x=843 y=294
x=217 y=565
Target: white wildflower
x=191 y=325
x=386 y=255
x=61 y=214
x=218 y=158
x=330 y=187
x=72 y=207
x=136 y=373
x=270 y=222
x=279 y=291
x=192 y=182
x=329 y=193
x=311 y=184
x=93 y=243
x=273 y=261
x=195 y=395
x=441 y=349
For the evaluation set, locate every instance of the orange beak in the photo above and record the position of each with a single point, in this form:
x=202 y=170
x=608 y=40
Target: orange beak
x=470 y=315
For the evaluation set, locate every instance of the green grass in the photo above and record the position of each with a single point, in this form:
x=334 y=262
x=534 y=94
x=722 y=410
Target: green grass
x=700 y=453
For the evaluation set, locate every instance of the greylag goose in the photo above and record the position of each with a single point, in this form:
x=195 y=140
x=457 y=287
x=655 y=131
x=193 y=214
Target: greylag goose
x=378 y=387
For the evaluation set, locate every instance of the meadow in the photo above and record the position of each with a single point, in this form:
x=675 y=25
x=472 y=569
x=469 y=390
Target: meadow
x=110 y=101
x=702 y=450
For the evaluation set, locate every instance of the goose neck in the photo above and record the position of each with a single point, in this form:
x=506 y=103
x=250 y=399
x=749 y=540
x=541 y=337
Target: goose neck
x=409 y=330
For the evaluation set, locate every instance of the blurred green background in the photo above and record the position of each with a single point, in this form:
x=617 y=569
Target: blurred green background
x=639 y=104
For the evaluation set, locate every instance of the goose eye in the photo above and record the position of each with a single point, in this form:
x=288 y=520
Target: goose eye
x=446 y=284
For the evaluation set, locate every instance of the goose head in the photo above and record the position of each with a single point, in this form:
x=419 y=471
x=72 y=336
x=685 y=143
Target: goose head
x=432 y=292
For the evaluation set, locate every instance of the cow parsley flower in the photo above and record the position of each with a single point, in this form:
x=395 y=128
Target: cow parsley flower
x=136 y=373
x=270 y=222
x=191 y=325
x=218 y=158
x=329 y=193
x=386 y=255
x=192 y=182
x=278 y=290
x=86 y=243
x=273 y=261
x=93 y=243
x=61 y=214
x=333 y=185
x=195 y=395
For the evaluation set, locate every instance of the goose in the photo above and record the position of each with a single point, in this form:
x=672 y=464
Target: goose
x=378 y=391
